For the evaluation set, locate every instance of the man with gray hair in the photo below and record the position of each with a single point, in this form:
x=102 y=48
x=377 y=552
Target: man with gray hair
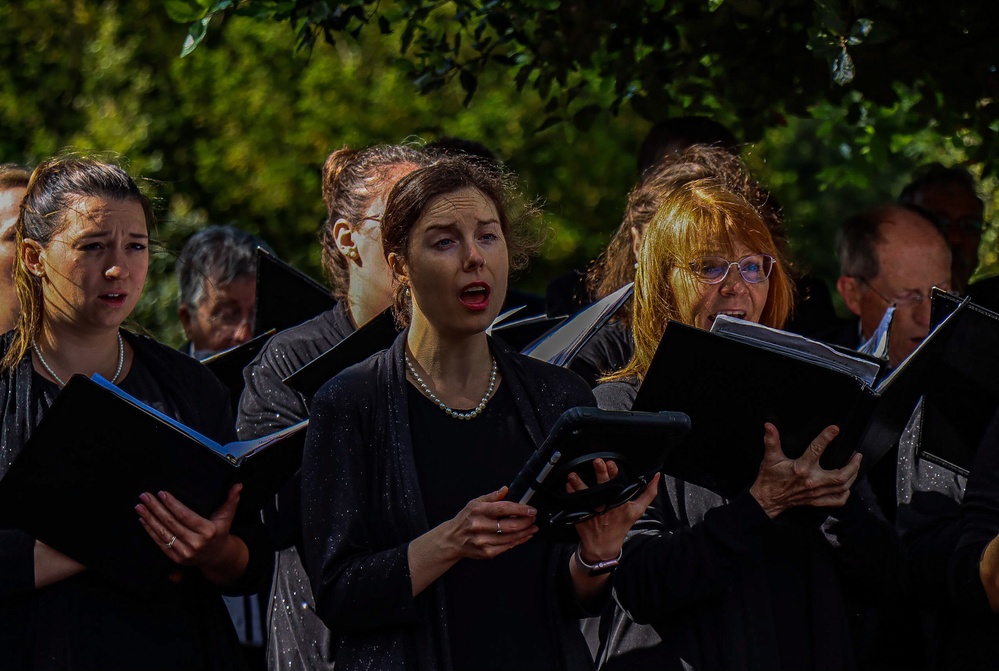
x=892 y=255
x=216 y=275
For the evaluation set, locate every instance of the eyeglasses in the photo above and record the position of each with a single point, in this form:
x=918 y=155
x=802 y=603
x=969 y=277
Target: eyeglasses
x=754 y=268
x=909 y=299
x=231 y=320
x=966 y=224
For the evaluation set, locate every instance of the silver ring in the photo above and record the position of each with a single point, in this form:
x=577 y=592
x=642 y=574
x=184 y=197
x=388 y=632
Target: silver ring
x=172 y=541
x=498 y=530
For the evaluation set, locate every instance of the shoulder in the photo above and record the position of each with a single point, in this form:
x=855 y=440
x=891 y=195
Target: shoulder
x=182 y=377
x=292 y=348
x=157 y=357
x=618 y=395
x=357 y=384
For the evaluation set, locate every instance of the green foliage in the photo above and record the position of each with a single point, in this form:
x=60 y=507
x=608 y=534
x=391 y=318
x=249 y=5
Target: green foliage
x=237 y=131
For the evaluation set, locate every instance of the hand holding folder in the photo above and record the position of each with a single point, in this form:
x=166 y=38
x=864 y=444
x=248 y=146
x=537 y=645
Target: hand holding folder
x=75 y=454
x=732 y=382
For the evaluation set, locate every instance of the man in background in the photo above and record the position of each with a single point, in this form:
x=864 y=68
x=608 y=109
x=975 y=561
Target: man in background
x=891 y=255
x=216 y=276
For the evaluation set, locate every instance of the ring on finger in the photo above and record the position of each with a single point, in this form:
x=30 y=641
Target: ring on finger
x=170 y=543
x=498 y=529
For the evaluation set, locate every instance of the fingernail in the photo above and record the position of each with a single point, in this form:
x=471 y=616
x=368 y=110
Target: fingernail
x=144 y=498
x=162 y=496
x=532 y=511
x=138 y=509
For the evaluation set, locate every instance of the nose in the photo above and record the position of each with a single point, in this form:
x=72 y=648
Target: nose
x=117 y=270
x=734 y=282
x=243 y=332
x=475 y=259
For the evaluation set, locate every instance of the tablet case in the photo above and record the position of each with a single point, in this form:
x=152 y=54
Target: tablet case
x=636 y=441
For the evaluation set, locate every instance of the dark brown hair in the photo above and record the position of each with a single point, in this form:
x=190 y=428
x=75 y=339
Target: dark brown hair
x=411 y=195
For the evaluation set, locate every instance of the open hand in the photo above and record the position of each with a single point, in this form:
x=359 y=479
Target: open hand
x=784 y=483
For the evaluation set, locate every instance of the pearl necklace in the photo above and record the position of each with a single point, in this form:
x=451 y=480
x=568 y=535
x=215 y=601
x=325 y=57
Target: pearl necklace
x=45 y=364
x=471 y=414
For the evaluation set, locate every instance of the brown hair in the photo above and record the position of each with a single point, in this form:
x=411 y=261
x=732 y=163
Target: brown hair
x=56 y=186
x=411 y=195
x=13 y=176
x=703 y=214
x=351 y=178
x=616 y=266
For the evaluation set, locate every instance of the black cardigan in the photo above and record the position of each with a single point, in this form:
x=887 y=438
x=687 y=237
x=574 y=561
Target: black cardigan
x=362 y=506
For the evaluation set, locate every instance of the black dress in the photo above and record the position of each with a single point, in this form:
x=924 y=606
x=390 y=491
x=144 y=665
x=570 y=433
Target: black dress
x=83 y=622
x=362 y=505
x=296 y=637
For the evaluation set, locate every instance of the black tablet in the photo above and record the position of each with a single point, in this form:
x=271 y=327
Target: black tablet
x=638 y=442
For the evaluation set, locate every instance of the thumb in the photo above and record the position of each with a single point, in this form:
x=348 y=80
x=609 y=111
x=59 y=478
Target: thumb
x=228 y=508
x=771 y=443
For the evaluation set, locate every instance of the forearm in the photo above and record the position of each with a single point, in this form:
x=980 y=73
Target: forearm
x=229 y=564
x=430 y=556
x=589 y=589
x=668 y=571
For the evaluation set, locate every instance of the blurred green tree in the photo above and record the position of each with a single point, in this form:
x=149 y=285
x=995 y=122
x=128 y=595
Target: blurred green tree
x=237 y=132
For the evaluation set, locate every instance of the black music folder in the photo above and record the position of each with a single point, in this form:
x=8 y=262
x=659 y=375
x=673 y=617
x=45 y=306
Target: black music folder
x=76 y=483
x=378 y=334
x=286 y=296
x=732 y=380
x=521 y=333
x=559 y=345
x=637 y=442
x=963 y=391
x=228 y=365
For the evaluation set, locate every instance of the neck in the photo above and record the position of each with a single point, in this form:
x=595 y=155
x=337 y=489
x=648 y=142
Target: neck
x=365 y=305
x=456 y=366
x=71 y=351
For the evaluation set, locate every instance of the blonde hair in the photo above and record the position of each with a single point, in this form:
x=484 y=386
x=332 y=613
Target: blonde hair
x=700 y=216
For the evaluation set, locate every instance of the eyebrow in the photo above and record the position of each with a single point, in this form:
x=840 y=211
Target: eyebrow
x=105 y=234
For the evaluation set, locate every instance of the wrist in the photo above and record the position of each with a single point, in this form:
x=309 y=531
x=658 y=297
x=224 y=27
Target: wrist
x=770 y=507
x=595 y=567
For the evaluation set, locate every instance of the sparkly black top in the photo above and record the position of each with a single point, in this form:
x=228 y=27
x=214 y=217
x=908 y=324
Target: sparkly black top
x=362 y=504
x=296 y=637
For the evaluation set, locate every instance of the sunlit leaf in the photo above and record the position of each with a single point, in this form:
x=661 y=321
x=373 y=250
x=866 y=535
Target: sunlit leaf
x=843 y=70
x=195 y=34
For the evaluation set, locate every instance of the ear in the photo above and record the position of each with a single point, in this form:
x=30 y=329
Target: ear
x=33 y=256
x=398 y=266
x=636 y=241
x=849 y=289
x=343 y=236
x=184 y=312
